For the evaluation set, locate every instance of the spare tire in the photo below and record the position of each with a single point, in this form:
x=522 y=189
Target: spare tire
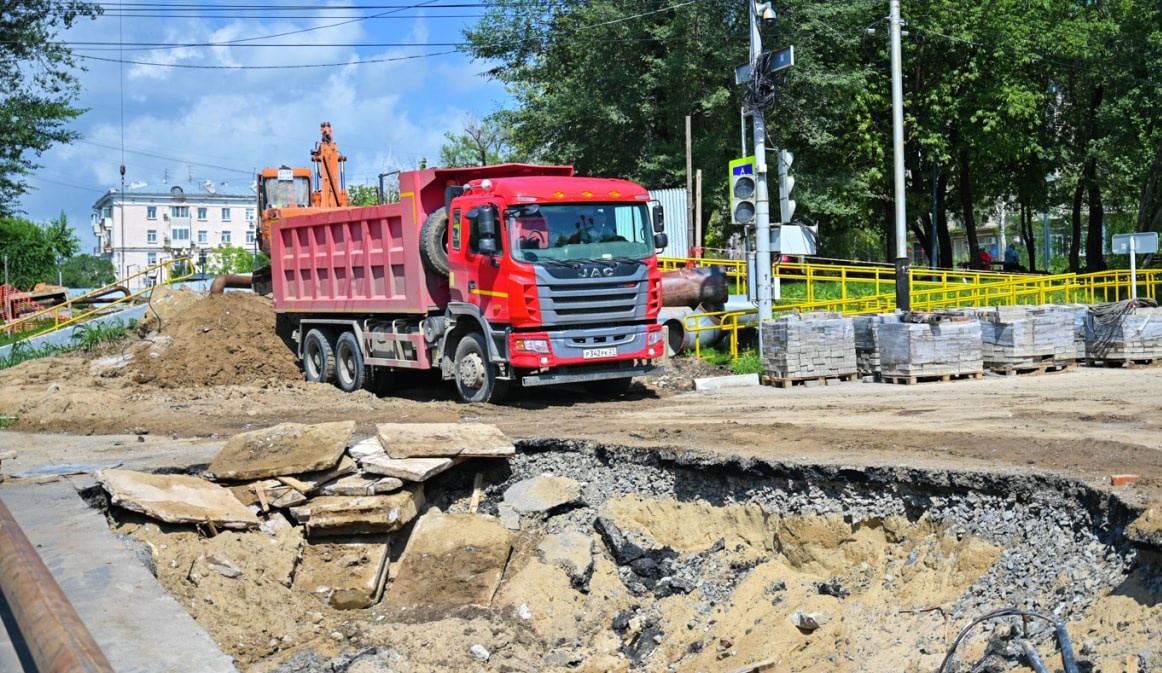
x=434 y=242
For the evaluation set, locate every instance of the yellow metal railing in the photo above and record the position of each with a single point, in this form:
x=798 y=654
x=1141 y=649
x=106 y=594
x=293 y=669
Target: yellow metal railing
x=871 y=289
x=72 y=311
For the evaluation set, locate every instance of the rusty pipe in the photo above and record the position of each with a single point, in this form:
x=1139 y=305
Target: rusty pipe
x=693 y=287
x=101 y=295
x=235 y=280
x=57 y=639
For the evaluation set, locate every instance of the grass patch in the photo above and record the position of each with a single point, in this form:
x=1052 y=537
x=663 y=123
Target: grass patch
x=8 y=421
x=87 y=337
x=748 y=362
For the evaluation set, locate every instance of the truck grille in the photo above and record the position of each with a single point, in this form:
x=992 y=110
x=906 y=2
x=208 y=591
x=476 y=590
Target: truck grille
x=569 y=301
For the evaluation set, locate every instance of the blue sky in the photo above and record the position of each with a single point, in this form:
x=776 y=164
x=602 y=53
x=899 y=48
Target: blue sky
x=182 y=93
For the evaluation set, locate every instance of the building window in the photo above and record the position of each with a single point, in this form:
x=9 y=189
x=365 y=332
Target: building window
x=107 y=211
x=250 y=237
x=180 y=211
x=151 y=212
x=249 y=214
x=151 y=236
x=202 y=214
x=203 y=237
x=181 y=236
x=225 y=214
x=226 y=238
x=151 y=259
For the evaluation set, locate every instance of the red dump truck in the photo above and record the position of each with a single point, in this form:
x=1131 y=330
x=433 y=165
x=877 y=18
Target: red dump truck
x=496 y=276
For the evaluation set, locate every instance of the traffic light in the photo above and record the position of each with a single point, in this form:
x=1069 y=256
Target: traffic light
x=786 y=184
x=742 y=191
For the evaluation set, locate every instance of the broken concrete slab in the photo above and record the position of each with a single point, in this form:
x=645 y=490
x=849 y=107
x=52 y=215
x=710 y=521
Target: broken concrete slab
x=176 y=498
x=451 y=560
x=274 y=494
x=572 y=551
x=542 y=493
x=425 y=440
x=287 y=448
x=408 y=469
x=350 y=515
x=357 y=485
x=346 y=572
x=366 y=448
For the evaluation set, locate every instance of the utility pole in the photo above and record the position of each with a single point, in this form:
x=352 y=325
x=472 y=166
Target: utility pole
x=762 y=199
x=903 y=295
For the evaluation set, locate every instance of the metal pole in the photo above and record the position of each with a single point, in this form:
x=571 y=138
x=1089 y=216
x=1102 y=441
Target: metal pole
x=57 y=638
x=762 y=199
x=933 y=236
x=1045 y=235
x=1133 y=269
x=903 y=295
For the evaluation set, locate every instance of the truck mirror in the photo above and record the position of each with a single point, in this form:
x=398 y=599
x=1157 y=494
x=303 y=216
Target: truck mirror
x=661 y=240
x=659 y=218
x=486 y=222
x=488 y=246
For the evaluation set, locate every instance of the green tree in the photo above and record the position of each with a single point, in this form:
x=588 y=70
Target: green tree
x=362 y=195
x=481 y=144
x=37 y=87
x=61 y=237
x=26 y=250
x=229 y=259
x=87 y=271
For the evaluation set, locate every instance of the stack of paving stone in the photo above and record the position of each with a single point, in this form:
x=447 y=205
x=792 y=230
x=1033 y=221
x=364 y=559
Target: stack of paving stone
x=809 y=346
x=914 y=351
x=1079 y=315
x=867 y=344
x=1127 y=335
x=1016 y=338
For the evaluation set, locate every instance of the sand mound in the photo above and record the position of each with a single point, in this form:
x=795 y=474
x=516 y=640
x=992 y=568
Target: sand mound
x=226 y=339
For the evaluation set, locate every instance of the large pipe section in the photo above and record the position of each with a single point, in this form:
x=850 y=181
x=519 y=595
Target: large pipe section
x=701 y=286
x=237 y=281
x=679 y=320
x=56 y=637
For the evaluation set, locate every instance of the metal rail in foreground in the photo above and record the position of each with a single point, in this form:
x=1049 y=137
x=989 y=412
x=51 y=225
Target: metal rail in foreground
x=56 y=637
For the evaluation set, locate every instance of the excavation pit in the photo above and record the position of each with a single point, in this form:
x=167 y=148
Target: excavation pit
x=660 y=560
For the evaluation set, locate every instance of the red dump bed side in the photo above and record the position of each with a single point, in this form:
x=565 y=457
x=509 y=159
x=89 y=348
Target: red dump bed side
x=366 y=260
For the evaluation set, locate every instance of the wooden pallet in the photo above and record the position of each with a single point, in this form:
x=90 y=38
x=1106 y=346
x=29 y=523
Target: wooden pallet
x=802 y=380
x=1039 y=368
x=926 y=378
x=1117 y=363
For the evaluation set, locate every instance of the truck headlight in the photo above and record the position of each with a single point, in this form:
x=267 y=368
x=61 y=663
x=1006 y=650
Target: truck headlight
x=653 y=338
x=532 y=346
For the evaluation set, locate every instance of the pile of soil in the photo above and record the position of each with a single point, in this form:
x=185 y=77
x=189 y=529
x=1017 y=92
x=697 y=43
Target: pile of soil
x=226 y=339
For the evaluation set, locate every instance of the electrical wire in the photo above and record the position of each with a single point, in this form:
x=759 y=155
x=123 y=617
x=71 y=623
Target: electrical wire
x=1104 y=322
x=1063 y=642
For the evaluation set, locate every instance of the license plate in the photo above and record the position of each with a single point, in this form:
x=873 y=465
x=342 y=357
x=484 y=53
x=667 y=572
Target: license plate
x=594 y=353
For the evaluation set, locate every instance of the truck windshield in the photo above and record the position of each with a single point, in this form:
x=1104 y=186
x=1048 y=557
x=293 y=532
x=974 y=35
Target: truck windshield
x=287 y=193
x=570 y=231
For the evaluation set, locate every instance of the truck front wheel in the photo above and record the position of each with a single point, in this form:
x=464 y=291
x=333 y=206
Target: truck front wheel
x=350 y=372
x=318 y=357
x=475 y=375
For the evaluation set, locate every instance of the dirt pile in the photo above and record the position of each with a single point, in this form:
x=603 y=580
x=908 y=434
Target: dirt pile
x=194 y=341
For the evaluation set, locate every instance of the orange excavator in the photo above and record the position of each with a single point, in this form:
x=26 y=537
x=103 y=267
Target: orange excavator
x=288 y=192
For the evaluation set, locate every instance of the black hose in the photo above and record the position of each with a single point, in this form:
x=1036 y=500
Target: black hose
x=1066 y=647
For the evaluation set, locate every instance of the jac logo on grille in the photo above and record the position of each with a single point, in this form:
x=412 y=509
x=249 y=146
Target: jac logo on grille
x=596 y=271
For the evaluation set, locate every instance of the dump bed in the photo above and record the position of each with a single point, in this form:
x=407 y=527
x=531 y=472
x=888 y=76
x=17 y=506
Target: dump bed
x=353 y=261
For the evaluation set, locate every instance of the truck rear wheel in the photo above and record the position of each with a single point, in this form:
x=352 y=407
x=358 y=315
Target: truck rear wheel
x=434 y=242
x=350 y=372
x=319 y=357
x=475 y=375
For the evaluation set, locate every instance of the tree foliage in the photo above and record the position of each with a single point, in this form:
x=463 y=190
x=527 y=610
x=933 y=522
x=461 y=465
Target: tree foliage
x=26 y=252
x=37 y=87
x=998 y=98
x=482 y=143
x=229 y=259
x=87 y=271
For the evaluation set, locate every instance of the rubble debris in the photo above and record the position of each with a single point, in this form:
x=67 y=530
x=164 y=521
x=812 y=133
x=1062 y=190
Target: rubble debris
x=287 y=448
x=572 y=551
x=359 y=485
x=542 y=494
x=176 y=498
x=808 y=621
x=448 y=440
x=346 y=572
x=450 y=559
x=347 y=515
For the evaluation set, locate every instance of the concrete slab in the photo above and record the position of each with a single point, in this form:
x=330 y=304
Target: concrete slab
x=351 y=515
x=542 y=493
x=721 y=382
x=176 y=498
x=425 y=440
x=285 y=449
x=136 y=623
x=408 y=469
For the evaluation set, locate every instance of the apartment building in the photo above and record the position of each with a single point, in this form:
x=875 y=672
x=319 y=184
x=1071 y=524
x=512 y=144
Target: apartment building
x=146 y=224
